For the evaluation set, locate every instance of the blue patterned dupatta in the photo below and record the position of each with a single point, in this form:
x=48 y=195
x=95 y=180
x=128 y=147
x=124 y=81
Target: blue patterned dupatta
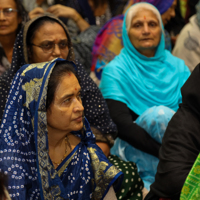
x=84 y=174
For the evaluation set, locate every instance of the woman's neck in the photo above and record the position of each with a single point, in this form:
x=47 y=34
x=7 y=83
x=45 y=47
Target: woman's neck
x=148 y=53
x=61 y=144
x=7 y=43
x=56 y=138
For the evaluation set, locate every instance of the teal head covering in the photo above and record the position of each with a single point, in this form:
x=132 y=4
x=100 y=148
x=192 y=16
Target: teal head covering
x=142 y=82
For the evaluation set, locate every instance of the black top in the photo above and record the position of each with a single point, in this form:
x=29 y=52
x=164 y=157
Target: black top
x=136 y=136
x=180 y=144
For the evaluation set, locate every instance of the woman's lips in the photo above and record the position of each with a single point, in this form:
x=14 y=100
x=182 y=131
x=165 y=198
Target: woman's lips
x=79 y=119
x=3 y=27
x=146 y=39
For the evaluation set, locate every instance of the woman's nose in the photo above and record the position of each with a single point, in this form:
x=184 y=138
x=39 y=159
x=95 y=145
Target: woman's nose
x=145 y=28
x=2 y=16
x=78 y=107
x=56 y=51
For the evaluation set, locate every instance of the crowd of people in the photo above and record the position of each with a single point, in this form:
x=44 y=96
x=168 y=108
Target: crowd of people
x=99 y=99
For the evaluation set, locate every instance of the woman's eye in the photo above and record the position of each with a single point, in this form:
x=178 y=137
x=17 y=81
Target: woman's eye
x=66 y=100
x=136 y=25
x=153 y=24
x=63 y=45
x=47 y=46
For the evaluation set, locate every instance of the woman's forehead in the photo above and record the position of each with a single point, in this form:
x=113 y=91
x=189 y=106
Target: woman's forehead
x=50 y=29
x=145 y=14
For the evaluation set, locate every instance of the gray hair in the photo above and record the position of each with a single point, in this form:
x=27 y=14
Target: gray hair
x=132 y=12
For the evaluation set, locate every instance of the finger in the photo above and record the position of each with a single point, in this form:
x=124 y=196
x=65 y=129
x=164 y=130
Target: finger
x=38 y=9
x=52 y=8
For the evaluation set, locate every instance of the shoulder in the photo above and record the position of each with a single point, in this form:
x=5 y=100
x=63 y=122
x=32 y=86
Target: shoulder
x=178 y=62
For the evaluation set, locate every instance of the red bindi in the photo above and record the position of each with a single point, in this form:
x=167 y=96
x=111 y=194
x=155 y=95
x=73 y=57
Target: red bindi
x=144 y=17
x=75 y=88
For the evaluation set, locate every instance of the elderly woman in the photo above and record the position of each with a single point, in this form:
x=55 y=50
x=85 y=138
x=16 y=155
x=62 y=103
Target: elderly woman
x=48 y=149
x=13 y=16
x=140 y=79
x=83 y=19
x=108 y=42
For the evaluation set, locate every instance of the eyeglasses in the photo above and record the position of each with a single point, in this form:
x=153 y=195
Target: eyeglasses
x=50 y=46
x=8 y=11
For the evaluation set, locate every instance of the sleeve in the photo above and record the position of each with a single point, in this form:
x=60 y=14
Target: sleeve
x=95 y=109
x=129 y=131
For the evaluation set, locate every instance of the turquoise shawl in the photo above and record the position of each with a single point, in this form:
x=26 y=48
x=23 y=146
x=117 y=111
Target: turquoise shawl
x=141 y=82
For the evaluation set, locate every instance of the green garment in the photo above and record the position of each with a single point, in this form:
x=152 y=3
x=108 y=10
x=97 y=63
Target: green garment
x=132 y=185
x=191 y=187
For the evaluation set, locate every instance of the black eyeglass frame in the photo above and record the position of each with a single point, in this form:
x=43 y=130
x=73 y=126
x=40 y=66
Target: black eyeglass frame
x=49 y=51
x=9 y=11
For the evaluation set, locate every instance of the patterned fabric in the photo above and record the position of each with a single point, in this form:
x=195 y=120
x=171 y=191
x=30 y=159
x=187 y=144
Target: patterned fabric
x=96 y=110
x=191 y=189
x=109 y=42
x=4 y=63
x=107 y=45
x=132 y=185
x=144 y=82
x=154 y=121
x=24 y=147
x=7 y=77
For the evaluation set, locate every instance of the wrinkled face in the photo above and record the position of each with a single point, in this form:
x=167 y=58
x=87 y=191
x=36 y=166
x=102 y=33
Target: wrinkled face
x=49 y=33
x=66 y=111
x=8 y=24
x=166 y=16
x=145 y=31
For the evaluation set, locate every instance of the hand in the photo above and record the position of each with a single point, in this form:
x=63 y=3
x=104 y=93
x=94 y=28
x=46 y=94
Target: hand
x=62 y=11
x=67 y=12
x=104 y=147
x=36 y=12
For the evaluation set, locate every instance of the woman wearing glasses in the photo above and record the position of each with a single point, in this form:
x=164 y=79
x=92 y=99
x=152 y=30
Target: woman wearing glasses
x=46 y=38
x=12 y=16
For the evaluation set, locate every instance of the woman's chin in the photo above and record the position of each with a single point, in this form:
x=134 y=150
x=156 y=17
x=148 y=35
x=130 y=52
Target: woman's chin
x=78 y=126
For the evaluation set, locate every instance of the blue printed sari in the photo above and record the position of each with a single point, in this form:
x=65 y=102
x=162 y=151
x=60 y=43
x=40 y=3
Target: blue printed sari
x=84 y=174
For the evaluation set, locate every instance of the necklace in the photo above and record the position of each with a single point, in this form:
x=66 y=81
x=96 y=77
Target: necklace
x=66 y=143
